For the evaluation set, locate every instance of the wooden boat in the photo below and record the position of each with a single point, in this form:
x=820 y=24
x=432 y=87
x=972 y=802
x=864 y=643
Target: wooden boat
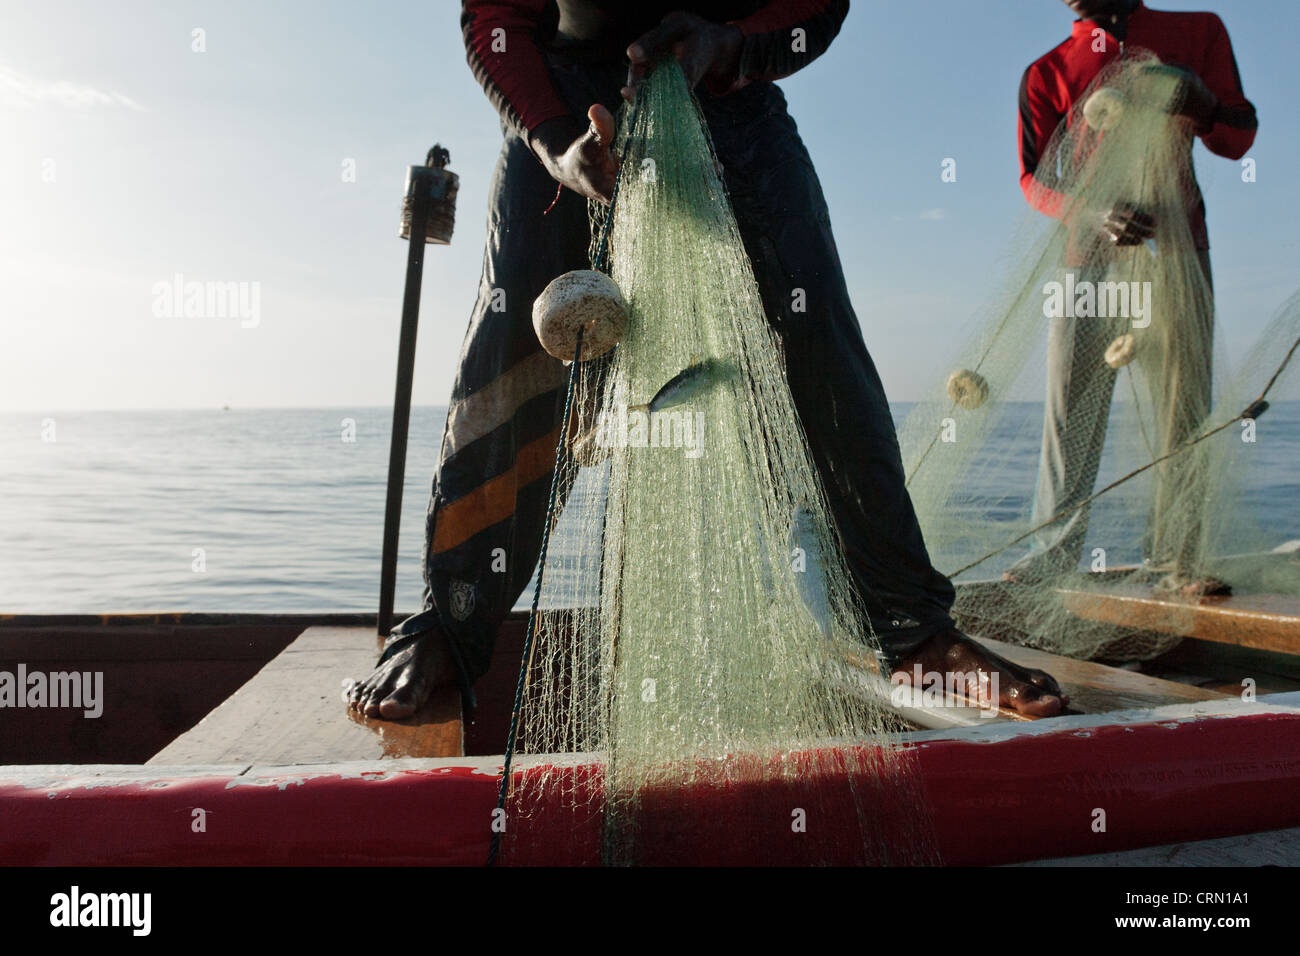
x=224 y=740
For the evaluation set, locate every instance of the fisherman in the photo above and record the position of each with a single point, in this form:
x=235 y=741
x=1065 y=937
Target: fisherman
x=1218 y=112
x=555 y=73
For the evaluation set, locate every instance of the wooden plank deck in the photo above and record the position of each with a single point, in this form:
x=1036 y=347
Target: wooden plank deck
x=292 y=712
x=1092 y=688
x=1096 y=688
x=1267 y=622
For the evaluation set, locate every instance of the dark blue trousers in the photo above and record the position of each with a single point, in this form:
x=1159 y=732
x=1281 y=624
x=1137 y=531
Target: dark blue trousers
x=490 y=492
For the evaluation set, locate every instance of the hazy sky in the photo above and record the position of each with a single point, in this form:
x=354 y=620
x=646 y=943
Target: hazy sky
x=127 y=158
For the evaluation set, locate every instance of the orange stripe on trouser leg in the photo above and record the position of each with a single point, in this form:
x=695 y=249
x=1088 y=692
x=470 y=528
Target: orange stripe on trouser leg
x=494 y=500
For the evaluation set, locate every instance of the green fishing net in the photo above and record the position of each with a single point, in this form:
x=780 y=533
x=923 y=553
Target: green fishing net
x=1123 y=342
x=718 y=700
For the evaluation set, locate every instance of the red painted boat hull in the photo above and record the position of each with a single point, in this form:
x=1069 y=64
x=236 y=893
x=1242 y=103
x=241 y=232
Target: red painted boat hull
x=1028 y=796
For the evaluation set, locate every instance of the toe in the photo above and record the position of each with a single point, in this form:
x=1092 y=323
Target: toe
x=1045 y=682
x=1048 y=705
x=405 y=700
x=369 y=702
x=394 y=707
x=1028 y=700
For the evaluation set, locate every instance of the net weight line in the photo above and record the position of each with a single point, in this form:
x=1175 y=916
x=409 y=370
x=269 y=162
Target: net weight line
x=979 y=364
x=1253 y=410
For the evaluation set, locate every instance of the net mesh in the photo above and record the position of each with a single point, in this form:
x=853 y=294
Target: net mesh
x=718 y=699
x=1121 y=339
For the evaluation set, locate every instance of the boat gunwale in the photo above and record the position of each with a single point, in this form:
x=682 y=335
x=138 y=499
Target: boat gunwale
x=1049 y=773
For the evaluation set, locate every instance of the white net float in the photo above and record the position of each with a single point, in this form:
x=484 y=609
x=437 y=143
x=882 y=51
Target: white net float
x=1104 y=109
x=582 y=299
x=1120 y=352
x=968 y=388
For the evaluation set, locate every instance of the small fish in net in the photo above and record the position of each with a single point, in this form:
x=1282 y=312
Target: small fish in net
x=711 y=704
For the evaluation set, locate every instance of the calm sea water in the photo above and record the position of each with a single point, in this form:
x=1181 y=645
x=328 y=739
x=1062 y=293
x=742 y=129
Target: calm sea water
x=273 y=510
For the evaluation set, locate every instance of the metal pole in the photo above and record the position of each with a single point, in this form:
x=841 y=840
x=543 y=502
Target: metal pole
x=423 y=186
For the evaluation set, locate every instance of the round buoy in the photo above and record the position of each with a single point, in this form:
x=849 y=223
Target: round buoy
x=1104 y=109
x=968 y=388
x=582 y=299
x=1120 y=352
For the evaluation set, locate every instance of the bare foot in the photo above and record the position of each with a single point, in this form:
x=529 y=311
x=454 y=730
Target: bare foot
x=400 y=686
x=1033 y=693
x=1193 y=589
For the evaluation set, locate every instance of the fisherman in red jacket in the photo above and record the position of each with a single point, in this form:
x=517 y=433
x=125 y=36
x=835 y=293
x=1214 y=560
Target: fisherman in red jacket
x=555 y=72
x=1212 y=101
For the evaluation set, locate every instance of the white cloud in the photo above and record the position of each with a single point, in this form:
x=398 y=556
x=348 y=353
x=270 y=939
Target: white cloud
x=21 y=91
x=932 y=215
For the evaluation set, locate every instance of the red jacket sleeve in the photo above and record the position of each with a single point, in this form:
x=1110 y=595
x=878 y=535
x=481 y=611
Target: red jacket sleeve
x=1039 y=119
x=772 y=49
x=501 y=44
x=1235 y=122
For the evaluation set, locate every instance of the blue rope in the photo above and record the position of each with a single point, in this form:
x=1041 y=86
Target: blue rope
x=561 y=448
